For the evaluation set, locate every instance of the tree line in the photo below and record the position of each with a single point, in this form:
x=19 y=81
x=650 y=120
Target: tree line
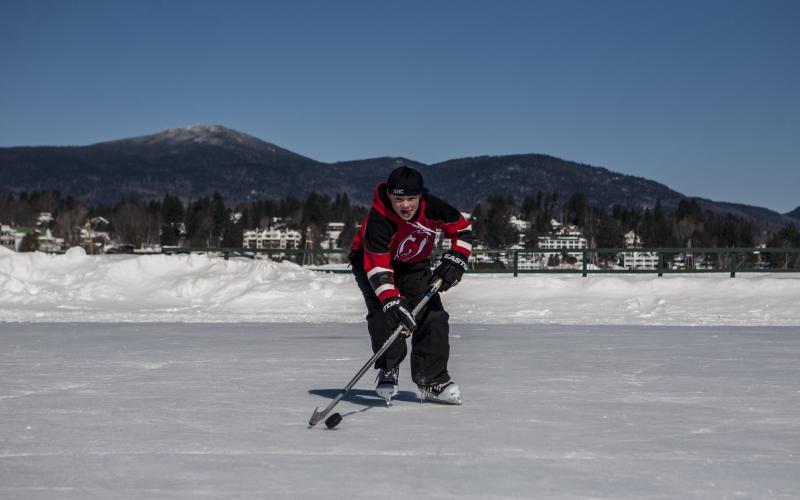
x=687 y=226
x=205 y=222
x=210 y=222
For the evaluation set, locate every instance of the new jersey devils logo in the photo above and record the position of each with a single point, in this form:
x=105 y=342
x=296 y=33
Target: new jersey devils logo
x=412 y=245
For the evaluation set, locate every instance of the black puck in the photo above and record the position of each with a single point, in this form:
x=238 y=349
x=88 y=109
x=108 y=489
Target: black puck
x=333 y=420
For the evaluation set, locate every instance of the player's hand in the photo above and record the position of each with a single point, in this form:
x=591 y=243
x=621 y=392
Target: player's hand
x=450 y=269
x=398 y=312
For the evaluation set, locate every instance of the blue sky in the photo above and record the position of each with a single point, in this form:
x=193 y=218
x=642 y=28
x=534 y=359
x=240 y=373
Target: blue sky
x=700 y=95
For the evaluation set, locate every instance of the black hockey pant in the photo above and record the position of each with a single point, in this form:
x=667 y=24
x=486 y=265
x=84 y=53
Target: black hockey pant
x=430 y=344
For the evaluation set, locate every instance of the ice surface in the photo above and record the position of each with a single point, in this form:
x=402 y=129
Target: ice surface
x=177 y=410
x=199 y=288
x=194 y=377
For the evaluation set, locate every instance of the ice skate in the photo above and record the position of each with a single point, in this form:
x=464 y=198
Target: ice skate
x=446 y=392
x=386 y=386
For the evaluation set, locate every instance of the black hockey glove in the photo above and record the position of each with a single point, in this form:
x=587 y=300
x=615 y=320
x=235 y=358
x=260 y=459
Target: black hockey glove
x=450 y=270
x=398 y=312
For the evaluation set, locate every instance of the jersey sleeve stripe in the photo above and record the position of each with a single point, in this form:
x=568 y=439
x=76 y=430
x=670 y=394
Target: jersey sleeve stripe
x=463 y=244
x=376 y=270
x=384 y=288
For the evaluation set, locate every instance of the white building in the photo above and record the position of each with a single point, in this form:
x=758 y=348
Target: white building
x=94 y=240
x=284 y=239
x=564 y=238
x=520 y=225
x=50 y=244
x=8 y=237
x=638 y=260
x=332 y=234
x=44 y=219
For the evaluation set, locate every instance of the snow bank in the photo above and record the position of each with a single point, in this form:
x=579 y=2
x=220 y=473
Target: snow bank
x=199 y=288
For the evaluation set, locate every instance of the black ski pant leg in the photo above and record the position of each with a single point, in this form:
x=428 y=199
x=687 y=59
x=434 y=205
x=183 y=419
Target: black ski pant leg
x=430 y=343
x=377 y=326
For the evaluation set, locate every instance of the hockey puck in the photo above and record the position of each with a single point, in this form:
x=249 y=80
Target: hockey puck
x=333 y=420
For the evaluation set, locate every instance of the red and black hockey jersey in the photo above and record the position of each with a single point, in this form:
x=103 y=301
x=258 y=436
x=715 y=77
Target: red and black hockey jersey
x=385 y=238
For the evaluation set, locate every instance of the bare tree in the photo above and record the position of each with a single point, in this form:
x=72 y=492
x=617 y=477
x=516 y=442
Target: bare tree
x=68 y=223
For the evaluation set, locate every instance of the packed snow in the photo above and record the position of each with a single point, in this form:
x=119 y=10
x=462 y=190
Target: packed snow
x=188 y=376
x=202 y=288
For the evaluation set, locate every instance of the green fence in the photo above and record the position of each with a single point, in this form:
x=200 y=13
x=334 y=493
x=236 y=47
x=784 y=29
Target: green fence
x=566 y=261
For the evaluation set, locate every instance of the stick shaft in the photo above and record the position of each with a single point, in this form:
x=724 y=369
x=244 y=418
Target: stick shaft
x=319 y=415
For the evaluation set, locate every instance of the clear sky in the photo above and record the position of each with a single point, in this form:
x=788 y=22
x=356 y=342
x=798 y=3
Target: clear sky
x=703 y=96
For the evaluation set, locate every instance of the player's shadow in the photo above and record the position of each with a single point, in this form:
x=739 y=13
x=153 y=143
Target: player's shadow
x=365 y=397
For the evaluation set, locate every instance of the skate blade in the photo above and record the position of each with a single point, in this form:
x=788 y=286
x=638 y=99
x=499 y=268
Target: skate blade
x=387 y=393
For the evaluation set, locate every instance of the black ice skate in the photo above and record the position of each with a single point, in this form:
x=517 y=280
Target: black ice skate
x=446 y=392
x=387 y=384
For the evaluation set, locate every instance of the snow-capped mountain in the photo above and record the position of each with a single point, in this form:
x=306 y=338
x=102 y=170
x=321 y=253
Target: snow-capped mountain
x=200 y=136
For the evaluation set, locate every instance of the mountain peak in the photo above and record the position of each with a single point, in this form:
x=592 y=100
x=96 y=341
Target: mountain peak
x=215 y=135
x=198 y=140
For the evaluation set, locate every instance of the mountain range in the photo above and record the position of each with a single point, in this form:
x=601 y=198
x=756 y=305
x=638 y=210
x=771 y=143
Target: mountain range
x=195 y=161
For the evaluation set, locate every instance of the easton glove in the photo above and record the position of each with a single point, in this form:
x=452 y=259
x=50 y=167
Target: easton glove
x=450 y=270
x=397 y=313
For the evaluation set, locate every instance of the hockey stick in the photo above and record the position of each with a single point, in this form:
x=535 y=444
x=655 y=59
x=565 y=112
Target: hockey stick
x=319 y=415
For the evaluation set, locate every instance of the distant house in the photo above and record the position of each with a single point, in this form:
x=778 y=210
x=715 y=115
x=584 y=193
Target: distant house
x=49 y=243
x=638 y=260
x=95 y=236
x=8 y=237
x=333 y=233
x=11 y=238
x=44 y=219
x=284 y=239
x=565 y=238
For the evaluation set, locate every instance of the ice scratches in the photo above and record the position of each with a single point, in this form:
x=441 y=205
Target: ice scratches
x=47 y=390
x=136 y=365
x=674 y=456
x=153 y=365
x=533 y=313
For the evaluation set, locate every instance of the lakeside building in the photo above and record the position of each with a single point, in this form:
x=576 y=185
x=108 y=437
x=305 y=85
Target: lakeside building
x=564 y=238
x=638 y=260
x=277 y=238
x=9 y=238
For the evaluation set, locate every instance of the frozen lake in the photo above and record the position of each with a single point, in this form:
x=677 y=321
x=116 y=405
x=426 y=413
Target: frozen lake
x=177 y=410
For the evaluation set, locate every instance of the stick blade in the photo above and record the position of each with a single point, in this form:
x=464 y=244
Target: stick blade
x=316 y=417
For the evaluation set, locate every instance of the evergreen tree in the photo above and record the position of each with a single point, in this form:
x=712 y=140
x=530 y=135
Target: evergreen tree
x=30 y=242
x=500 y=233
x=172 y=214
x=786 y=237
x=576 y=210
x=220 y=217
x=479 y=223
x=610 y=233
x=233 y=234
x=661 y=228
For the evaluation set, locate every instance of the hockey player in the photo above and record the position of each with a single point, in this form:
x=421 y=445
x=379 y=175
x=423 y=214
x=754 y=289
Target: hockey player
x=391 y=262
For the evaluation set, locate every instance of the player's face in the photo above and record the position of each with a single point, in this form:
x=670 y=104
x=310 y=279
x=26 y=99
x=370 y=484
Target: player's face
x=405 y=206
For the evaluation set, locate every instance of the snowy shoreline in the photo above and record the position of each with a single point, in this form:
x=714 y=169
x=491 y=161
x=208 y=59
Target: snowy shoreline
x=76 y=287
